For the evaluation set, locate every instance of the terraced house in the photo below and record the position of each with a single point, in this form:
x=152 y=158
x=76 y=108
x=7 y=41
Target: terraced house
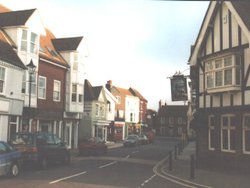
x=220 y=74
x=51 y=98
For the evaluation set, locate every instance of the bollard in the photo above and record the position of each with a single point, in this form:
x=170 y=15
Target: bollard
x=175 y=152
x=192 y=166
x=170 y=160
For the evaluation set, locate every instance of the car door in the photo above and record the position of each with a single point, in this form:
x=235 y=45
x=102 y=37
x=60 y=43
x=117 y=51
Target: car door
x=4 y=162
x=60 y=148
x=51 y=147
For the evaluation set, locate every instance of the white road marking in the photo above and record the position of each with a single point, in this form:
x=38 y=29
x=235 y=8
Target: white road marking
x=147 y=180
x=68 y=177
x=127 y=156
x=103 y=166
x=135 y=151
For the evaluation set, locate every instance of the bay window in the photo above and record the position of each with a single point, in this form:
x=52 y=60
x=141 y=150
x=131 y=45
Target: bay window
x=223 y=73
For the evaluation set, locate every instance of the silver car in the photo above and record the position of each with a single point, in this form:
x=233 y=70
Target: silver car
x=131 y=140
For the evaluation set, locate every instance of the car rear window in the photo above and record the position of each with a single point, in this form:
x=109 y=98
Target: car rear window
x=22 y=139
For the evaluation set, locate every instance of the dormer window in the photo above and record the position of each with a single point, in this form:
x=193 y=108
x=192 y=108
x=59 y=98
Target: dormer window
x=223 y=74
x=29 y=42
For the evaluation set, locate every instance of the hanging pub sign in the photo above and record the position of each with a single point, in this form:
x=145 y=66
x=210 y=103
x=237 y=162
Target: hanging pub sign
x=179 y=88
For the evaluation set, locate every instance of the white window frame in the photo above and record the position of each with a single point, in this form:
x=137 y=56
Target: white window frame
x=214 y=67
x=97 y=110
x=2 y=79
x=80 y=94
x=211 y=127
x=43 y=88
x=228 y=128
x=75 y=61
x=74 y=93
x=29 y=42
x=245 y=128
x=57 y=90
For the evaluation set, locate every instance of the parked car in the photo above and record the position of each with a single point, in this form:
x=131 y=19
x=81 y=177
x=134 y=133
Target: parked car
x=10 y=160
x=151 y=136
x=92 y=146
x=41 y=148
x=131 y=140
x=143 y=139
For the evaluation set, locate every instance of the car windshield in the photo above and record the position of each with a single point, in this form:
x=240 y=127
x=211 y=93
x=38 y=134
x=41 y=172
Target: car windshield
x=21 y=139
x=132 y=137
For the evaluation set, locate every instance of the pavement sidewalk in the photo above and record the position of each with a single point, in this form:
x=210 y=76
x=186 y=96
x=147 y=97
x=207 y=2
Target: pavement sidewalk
x=181 y=168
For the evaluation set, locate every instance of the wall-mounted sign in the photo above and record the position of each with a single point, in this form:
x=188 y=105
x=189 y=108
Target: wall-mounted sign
x=179 y=88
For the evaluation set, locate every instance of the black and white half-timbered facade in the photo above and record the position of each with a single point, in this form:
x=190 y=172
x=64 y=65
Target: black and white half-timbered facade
x=220 y=75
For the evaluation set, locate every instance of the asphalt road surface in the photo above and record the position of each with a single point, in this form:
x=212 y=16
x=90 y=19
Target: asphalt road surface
x=120 y=167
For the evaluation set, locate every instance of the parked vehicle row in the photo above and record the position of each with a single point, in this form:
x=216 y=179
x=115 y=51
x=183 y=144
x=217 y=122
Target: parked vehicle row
x=134 y=140
x=94 y=145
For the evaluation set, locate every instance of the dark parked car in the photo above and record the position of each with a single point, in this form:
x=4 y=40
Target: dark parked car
x=10 y=160
x=143 y=139
x=92 y=146
x=131 y=140
x=41 y=148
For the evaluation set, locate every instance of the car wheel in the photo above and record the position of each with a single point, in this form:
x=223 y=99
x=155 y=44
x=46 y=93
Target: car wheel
x=14 y=170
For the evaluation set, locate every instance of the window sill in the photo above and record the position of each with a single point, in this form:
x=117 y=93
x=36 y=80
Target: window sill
x=223 y=89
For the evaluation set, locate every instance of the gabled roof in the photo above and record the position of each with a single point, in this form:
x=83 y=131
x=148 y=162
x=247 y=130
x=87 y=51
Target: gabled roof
x=137 y=94
x=67 y=44
x=15 y=18
x=4 y=9
x=123 y=91
x=91 y=93
x=242 y=8
x=7 y=52
x=48 y=51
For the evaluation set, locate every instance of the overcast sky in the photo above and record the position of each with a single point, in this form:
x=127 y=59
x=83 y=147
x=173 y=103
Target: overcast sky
x=133 y=43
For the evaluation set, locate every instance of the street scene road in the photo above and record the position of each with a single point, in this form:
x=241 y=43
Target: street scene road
x=120 y=167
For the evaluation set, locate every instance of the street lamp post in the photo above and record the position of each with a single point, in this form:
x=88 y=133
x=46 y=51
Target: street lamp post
x=31 y=69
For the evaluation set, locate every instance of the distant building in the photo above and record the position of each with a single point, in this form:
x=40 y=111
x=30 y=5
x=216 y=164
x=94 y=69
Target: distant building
x=172 y=120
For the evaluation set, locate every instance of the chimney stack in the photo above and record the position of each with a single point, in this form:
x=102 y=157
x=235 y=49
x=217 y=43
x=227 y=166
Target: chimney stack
x=109 y=85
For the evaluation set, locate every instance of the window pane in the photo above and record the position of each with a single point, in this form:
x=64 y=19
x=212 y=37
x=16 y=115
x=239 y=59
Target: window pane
x=225 y=122
x=209 y=80
x=232 y=139
x=228 y=61
x=218 y=78
x=228 y=77
x=247 y=122
x=247 y=140
x=218 y=63
x=212 y=138
x=225 y=140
